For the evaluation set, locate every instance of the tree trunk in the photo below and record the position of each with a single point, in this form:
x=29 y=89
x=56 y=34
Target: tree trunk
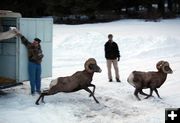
x=161 y=7
x=170 y=5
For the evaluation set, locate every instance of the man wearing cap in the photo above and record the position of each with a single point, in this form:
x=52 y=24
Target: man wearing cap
x=112 y=56
x=35 y=56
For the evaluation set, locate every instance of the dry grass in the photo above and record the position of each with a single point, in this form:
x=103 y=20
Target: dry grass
x=5 y=81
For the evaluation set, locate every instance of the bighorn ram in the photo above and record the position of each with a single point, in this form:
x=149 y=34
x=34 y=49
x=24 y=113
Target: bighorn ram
x=153 y=80
x=79 y=80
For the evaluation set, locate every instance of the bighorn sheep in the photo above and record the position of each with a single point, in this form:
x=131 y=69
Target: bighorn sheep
x=153 y=80
x=79 y=80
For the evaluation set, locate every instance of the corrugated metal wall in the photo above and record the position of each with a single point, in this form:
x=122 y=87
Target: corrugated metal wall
x=8 y=51
x=13 y=54
x=41 y=28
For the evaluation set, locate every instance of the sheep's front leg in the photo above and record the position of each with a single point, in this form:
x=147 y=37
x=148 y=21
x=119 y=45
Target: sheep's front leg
x=157 y=93
x=136 y=93
x=88 y=90
x=94 y=87
x=142 y=93
x=151 y=91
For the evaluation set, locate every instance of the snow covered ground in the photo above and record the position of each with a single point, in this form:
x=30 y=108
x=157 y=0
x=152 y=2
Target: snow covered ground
x=142 y=45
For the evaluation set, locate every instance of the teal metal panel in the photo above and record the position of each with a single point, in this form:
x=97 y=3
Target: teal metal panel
x=47 y=60
x=8 y=51
x=47 y=35
x=40 y=26
x=8 y=66
x=0 y=48
x=31 y=28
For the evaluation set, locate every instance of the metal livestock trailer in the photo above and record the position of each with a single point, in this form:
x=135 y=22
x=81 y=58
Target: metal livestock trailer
x=13 y=54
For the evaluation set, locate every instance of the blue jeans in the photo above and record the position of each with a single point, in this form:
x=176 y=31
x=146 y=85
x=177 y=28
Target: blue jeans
x=34 y=76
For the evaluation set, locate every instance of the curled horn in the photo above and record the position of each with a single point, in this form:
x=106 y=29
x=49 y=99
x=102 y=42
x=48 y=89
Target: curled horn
x=87 y=63
x=159 y=65
x=166 y=68
x=163 y=66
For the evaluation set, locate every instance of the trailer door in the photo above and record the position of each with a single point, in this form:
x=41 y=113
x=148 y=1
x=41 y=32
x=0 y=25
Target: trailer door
x=42 y=29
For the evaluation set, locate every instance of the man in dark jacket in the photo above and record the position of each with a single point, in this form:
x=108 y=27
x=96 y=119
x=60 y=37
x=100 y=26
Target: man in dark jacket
x=34 y=65
x=112 y=56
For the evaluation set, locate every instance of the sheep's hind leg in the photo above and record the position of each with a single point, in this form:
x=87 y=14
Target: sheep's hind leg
x=88 y=90
x=45 y=92
x=94 y=87
x=151 y=91
x=37 y=101
x=42 y=97
x=142 y=93
x=136 y=93
x=157 y=93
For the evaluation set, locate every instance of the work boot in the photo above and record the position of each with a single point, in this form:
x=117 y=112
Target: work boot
x=32 y=93
x=39 y=92
x=110 y=80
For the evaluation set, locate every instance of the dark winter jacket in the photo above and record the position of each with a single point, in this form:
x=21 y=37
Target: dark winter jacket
x=34 y=53
x=111 y=50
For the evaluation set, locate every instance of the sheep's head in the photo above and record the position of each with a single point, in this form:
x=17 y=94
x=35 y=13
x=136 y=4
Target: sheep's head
x=164 y=67
x=91 y=66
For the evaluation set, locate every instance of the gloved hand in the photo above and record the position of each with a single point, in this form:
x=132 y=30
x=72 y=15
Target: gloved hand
x=118 y=58
x=16 y=31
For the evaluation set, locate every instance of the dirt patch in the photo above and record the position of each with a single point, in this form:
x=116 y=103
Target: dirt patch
x=6 y=81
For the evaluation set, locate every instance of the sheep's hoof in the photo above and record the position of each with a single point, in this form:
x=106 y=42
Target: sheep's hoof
x=160 y=98
x=147 y=97
x=97 y=102
x=37 y=103
x=138 y=99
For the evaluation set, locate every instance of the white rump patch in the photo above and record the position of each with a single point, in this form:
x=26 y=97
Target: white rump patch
x=130 y=79
x=53 y=83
